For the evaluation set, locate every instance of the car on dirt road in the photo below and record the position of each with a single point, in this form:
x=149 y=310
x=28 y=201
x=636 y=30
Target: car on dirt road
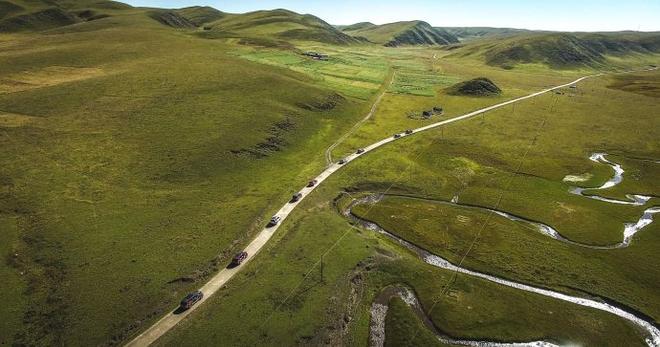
x=342 y=162
x=273 y=221
x=396 y=136
x=239 y=258
x=409 y=131
x=296 y=197
x=312 y=183
x=191 y=299
x=360 y=151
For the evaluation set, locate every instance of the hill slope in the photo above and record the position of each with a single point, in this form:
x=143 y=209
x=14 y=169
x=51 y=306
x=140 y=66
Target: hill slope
x=401 y=33
x=561 y=50
x=279 y=24
x=18 y=16
x=475 y=87
x=470 y=33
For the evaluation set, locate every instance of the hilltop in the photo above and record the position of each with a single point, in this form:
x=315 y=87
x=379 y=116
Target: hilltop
x=25 y=15
x=401 y=33
x=561 y=50
x=475 y=87
x=278 y=24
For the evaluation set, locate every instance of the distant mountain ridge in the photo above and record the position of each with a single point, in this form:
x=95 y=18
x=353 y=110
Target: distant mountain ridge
x=561 y=50
x=401 y=33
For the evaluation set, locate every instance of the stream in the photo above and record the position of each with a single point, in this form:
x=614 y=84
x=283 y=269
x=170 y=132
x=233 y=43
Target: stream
x=652 y=340
x=380 y=307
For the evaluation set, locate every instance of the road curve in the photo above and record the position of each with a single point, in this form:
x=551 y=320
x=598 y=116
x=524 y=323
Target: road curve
x=216 y=282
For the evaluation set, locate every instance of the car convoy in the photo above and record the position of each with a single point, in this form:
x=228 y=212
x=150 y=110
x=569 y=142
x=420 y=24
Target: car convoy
x=192 y=298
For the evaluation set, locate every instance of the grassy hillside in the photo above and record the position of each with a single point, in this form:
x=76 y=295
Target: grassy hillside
x=200 y=15
x=470 y=33
x=278 y=24
x=136 y=160
x=401 y=33
x=38 y=15
x=561 y=50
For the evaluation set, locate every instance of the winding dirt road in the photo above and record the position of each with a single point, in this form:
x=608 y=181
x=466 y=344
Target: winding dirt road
x=216 y=282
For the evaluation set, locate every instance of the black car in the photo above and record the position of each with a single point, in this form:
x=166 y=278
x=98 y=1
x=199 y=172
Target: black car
x=396 y=136
x=239 y=258
x=191 y=299
x=295 y=197
x=273 y=221
x=312 y=183
x=408 y=132
x=360 y=151
x=342 y=162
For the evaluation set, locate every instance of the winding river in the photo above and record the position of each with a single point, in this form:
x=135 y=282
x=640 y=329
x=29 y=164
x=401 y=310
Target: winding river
x=380 y=307
x=629 y=229
x=653 y=338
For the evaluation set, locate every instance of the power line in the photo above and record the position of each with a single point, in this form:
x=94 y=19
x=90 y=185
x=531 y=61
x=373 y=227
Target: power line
x=490 y=214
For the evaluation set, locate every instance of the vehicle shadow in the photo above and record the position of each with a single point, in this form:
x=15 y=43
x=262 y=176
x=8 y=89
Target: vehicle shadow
x=232 y=265
x=179 y=310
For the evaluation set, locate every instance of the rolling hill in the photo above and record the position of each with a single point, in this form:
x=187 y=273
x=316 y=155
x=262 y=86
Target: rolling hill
x=25 y=15
x=470 y=33
x=561 y=50
x=278 y=24
x=401 y=33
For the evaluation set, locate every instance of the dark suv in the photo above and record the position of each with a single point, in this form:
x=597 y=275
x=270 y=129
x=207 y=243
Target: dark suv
x=191 y=299
x=239 y=258
x=408 y=132
x=296 y=197
x=360 y=151
x=273 y=221
x=312 y=183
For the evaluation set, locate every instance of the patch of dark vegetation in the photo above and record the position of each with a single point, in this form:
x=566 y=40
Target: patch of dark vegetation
x=475 y=87
x=39 y=258
x=89 y=15
x=9 y=8
x=171 y=19
x=326 y=104
x=643 y=85
x=273 y=143
x=40 y=20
